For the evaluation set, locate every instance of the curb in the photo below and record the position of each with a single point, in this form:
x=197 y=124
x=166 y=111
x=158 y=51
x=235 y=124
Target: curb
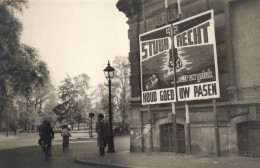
x=93 y=163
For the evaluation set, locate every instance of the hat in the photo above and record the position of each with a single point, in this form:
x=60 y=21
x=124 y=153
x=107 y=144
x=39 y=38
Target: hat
x=48 y=124
x=100 y=115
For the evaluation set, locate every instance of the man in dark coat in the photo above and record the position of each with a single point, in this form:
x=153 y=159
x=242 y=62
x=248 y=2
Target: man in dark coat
x=102 y=132
x=47 y=135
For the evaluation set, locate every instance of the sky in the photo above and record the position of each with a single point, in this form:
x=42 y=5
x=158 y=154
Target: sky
x=75 y=36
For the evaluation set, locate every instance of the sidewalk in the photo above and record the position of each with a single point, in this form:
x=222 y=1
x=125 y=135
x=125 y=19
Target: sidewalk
x=123 y=158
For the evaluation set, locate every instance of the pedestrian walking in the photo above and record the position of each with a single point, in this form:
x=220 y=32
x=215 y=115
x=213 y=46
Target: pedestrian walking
x=65 y=133
x=102 y=132
x=47 y=135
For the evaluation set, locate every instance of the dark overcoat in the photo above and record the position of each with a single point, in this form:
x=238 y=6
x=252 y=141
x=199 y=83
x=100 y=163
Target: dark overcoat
x=102 y=132
x=47 y=134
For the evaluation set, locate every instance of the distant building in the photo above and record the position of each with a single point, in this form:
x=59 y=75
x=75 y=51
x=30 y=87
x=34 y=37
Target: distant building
x=238 y=39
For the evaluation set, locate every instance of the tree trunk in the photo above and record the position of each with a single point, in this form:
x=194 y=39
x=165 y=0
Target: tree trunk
x=124 y=123
x=1 y=115
x=123 y=118
x=27 y=109
x=0 y=124
x=28 y=127
x=0 y=120
x=78 y=126
x=40 y=108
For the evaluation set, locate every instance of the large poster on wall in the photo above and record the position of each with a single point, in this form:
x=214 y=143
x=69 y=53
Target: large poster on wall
x=194 y=39
x=193 y=48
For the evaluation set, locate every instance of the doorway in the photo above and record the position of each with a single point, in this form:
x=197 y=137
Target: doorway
x=248 y=138
x=167 y=138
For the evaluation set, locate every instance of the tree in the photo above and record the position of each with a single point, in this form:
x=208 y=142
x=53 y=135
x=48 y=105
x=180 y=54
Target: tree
x=100 y=99
x=81 y=82
x=78 y=114
x=122 y=87
x=20 y=68
x=13 y=4
x=42 y=95
x=47 y=109
x=67 y=94
x=10 y=116
x=22 y=73
x=75 y=99
x=30 y=79
x=10 y=29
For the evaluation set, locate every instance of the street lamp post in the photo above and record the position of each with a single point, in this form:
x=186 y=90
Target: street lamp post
x=109 y=73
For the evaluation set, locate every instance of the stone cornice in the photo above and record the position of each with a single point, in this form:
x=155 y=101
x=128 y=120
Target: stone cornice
x=128 y=7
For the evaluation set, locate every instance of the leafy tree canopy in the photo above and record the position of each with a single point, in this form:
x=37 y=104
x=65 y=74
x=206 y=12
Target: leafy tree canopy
x=75 y=99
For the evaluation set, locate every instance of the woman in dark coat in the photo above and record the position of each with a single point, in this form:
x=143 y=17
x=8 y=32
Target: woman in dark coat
x=102 y=132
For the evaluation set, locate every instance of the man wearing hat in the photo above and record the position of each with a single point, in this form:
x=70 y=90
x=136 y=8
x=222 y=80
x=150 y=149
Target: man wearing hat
x=102 y=131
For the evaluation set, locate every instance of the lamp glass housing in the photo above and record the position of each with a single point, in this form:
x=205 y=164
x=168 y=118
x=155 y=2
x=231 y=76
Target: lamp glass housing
x=109 y=71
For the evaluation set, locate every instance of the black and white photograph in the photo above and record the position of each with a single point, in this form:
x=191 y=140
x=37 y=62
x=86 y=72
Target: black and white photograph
x=129 y=83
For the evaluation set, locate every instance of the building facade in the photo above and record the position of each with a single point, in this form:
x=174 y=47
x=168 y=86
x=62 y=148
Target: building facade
x=238 y=113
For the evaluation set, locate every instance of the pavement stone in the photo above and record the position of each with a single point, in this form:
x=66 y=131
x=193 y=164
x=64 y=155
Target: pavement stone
x=123 y=158
x=162 y=160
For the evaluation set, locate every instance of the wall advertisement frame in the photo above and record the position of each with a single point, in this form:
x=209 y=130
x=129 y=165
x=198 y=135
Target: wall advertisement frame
x=191 y=44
